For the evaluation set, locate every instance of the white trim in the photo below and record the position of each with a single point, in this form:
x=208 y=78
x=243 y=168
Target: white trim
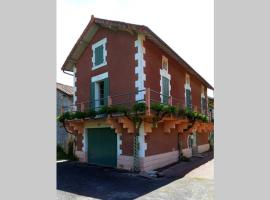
x=97 y=44
x=85 y=140
x=189 y=136
x=119 y=143
x=187 y=87
x=139 y=69
x=164 y=73
x=142 y=144
x=74 y=85
x=99 y=77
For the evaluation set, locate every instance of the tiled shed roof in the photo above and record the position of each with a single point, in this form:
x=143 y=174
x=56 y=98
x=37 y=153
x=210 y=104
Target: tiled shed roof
x=65 y=88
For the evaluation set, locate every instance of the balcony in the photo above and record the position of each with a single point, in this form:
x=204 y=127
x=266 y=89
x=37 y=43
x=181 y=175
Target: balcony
x=120 y=121
x=127 y=100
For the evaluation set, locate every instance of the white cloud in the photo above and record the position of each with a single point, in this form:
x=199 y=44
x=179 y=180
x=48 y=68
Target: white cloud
x=185 y=25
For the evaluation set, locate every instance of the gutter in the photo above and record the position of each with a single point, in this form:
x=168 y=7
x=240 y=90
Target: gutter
x=67 y=73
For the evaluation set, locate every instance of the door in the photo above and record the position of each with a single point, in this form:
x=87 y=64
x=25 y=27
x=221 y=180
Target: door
x=102 y=147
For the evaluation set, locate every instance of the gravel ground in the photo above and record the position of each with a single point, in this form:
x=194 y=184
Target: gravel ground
x=196 y=185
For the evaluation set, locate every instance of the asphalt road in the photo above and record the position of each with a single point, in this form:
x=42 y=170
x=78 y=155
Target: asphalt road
x=80 y=181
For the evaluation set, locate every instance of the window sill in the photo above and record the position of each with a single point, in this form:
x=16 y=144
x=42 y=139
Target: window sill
x=99 y=66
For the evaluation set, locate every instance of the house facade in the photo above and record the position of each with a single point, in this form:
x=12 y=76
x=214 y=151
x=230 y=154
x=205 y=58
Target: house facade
x=117 y=63
x=64 y=99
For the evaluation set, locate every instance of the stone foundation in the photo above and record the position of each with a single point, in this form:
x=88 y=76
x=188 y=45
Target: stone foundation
x=203 y=148
x=150 y=162
x=81 y=155
x=187 y=152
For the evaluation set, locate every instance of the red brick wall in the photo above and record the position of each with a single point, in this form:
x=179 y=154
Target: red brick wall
x=153 y=58
x=159 y=142
x=120 y=64
x=127 y=143
x=183 y=138
x=202 y=138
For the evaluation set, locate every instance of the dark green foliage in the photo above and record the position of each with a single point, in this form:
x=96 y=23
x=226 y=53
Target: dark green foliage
x=64 y=116
x=113 y=109
x=157 y=107
x=78 y=115
x=169 y=109
x=139 y=107
x=91 y=113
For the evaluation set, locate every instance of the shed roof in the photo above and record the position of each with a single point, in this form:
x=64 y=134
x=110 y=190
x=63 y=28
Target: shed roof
x=67 y=89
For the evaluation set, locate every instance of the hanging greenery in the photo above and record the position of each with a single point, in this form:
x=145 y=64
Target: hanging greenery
x=138 y=109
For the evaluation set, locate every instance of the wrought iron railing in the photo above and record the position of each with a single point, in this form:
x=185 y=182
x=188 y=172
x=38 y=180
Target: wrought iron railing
x=147 y=95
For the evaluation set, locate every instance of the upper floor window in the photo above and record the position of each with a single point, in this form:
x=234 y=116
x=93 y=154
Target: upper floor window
x=164 y=63
x=188 y=96
x=99 y=90
x=203 y=101
x=99 y=54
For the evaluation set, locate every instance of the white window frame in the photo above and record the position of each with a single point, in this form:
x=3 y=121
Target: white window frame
x=164 y=58
x=96 y=80
x=187 y=87
x=164 y=73
x=94 y=46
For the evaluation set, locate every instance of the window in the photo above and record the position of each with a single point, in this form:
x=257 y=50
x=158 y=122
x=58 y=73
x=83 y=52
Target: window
x=165 y=90
x=99 y=90
x=99 y=54
x=188 y=99
x=164 y=63
x=203 y=105
x=188 y=96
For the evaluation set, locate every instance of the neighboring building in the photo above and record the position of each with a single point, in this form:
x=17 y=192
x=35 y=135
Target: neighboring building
x=64 y=101
x=119 y=63
x=211 y=108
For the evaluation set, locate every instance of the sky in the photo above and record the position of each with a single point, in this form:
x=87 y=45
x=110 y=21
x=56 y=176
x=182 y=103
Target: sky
x=187 y=26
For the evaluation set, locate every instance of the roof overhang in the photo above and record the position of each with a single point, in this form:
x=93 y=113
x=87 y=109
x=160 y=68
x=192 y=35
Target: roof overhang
x=94 y=25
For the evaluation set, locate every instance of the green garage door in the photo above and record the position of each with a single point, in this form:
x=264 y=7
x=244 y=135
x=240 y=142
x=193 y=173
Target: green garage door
x=102 y=147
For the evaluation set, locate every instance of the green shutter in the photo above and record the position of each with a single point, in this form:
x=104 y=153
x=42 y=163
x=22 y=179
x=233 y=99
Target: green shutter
x=92 y=95
x=165 y=92
x=188 y=98
x=106 y=90
x=98 y=55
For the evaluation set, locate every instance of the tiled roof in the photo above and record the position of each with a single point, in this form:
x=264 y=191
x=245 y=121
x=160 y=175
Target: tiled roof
x=65 y=88
x=95 y=23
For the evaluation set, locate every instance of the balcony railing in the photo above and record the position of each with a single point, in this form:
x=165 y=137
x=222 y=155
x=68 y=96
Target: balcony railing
x=148 y=96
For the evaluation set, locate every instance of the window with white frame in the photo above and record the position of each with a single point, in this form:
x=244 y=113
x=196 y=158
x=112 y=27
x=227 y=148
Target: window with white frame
x=99 y=54
x=203 y=101
x=188 y=97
